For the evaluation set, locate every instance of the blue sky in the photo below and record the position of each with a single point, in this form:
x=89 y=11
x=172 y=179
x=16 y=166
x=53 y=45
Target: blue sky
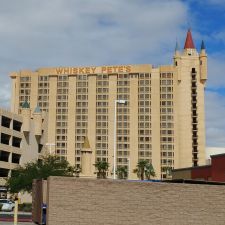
x=209 y=17
x=208 y=22
x=38 y=34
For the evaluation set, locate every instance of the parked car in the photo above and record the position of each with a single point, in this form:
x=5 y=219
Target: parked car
x=7 y=205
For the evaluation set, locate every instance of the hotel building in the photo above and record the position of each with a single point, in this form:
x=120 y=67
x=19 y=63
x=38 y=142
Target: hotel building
x=161 y=118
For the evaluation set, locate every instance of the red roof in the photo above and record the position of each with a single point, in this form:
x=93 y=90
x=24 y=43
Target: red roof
x=189 y=41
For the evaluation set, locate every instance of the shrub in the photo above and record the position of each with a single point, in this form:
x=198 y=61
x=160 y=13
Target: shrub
x=25 y=207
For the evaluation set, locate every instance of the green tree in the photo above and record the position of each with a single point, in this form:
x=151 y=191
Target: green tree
x=122 y=172
x=144 y=169
x=22 y=177
x=149 y=171
x=102 y=168
x=140 y=169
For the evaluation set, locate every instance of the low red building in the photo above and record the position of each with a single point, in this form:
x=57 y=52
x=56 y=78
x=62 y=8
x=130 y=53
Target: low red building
x=213 y=172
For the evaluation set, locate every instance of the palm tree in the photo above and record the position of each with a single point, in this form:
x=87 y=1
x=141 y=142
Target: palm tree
x=75 y=170
x=122 y=172
x=102 y=167
x=168 y=171
x=149 y=171
x=140 y=169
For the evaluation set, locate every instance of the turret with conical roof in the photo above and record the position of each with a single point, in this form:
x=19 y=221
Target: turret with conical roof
x=202 y=45
x=26 y=113
x=86 y=154
x=189 y=46
x=203 y=62
x=25 y=105
x=189 y=43
x=176 y=57
x=37 y=109
x=191 y=73
x=37 y=116
x=86 y=145
x=177 y=48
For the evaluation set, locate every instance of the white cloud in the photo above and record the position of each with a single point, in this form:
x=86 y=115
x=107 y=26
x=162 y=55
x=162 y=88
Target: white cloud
x=5 y=95
x=215 y=122
x=216 y=71
x=91 y=32
x=82 y=32
x=214 y=151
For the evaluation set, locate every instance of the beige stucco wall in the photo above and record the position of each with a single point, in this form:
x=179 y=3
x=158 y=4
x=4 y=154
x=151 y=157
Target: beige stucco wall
x=71 y=117
x=155 y=101
x=133 y=126
x=92 y=118
x=185 y=62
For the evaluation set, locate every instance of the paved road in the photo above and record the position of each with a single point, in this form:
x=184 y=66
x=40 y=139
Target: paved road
x=8 y=216
x=22 y=223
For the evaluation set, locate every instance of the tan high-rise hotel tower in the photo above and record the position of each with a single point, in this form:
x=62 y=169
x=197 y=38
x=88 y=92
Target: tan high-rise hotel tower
x=162 y=119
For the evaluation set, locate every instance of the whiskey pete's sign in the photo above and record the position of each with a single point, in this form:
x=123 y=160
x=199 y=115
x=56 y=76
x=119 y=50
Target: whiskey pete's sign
x=93 y=70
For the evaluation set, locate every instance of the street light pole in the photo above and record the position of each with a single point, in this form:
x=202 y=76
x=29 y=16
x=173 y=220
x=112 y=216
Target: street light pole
x=50 y=149
x=115 y=127
x=128 y=171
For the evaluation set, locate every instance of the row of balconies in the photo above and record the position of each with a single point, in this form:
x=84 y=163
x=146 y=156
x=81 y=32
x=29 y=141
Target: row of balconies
x=194 y=121
x=194 y=105
x=194 y=113
x=193 y=85
x=194 y=142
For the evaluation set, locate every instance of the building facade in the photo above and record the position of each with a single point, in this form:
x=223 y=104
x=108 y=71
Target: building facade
x=105 y=202
x=22 y=138
x=158 y=112
x=215 y=171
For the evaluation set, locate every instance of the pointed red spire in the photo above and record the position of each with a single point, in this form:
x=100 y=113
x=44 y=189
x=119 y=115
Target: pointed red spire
x=189 y=41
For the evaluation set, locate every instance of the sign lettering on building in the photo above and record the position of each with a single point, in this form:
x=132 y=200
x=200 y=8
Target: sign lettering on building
x=93 y=70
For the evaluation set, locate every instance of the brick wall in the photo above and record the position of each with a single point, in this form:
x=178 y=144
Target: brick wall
x=39 y=196
x=73 y=201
